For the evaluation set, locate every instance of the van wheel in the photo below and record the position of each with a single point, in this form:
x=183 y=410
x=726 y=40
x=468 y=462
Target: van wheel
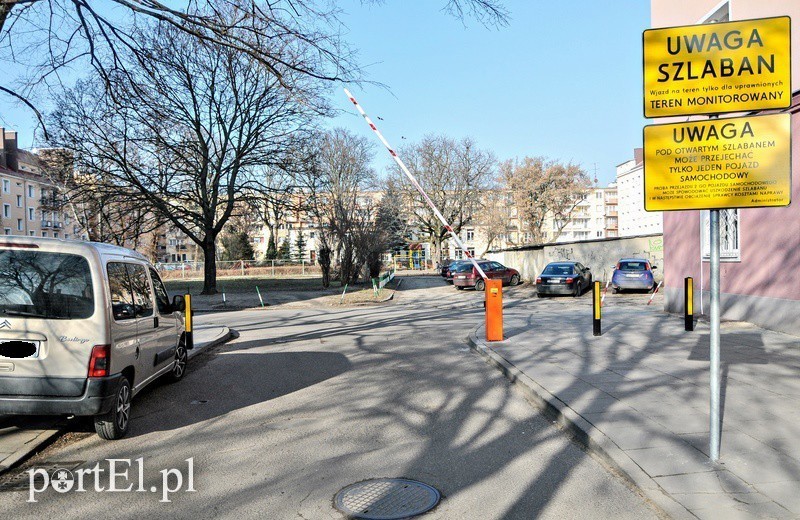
x=114 y=424
x=179 y=368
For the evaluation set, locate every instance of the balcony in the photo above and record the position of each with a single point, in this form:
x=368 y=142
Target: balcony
x=612 y=201
x=612 y=214
x=47 y=223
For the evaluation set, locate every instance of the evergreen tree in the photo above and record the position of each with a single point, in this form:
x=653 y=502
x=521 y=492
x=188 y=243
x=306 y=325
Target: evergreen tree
x=285 y=250
x=272 y=249
x=237 y=247
x=301 y=246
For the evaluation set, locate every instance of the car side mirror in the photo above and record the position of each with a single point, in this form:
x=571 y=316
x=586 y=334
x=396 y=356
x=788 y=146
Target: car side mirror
x=654 y=267
x=178 y=303
x=588 y=269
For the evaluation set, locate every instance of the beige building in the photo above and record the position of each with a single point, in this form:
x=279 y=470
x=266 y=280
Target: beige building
x=30 y=204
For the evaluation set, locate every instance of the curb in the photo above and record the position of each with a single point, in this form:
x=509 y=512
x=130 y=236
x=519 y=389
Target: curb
x=231 y=334
x=582 y=431
x=32 y=447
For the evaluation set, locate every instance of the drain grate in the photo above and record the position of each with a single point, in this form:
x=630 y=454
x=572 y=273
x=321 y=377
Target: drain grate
x=386 y=499
x=19 y=480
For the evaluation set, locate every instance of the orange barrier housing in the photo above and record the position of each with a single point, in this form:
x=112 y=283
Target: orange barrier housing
x=494 y=310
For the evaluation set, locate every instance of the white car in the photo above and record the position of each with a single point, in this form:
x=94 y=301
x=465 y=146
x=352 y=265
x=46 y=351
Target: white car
x=84 y=327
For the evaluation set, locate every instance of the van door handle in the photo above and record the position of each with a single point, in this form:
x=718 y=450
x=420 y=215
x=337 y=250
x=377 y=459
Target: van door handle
x=155 y=322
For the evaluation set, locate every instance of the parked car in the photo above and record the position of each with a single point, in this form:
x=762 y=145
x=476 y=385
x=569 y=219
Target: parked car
x=451 y=269
x=563 y=278
x=633 y=273
x=444 y=265
x=84 y=327
x=465 y=275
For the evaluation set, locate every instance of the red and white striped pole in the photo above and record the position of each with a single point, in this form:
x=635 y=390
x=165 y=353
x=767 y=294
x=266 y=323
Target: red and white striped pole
x=604 y=293
x=654 y=293
x=416 y=184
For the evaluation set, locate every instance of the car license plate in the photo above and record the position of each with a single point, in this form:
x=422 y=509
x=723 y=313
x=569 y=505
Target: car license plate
x=556 y=280
x=462 y=277
x=19 y=349
x=632 y=275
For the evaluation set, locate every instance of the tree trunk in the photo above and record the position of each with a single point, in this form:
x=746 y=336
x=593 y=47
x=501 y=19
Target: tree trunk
x=209 y=266
x=324 y=260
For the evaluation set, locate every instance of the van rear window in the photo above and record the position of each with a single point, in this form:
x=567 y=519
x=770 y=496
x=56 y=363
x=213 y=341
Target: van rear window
x=38 y=284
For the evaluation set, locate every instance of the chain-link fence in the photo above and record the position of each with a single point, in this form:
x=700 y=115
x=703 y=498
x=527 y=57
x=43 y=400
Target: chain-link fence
x=226 y=269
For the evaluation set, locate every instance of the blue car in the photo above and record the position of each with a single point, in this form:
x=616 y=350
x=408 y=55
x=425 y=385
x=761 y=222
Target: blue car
x=634 y=274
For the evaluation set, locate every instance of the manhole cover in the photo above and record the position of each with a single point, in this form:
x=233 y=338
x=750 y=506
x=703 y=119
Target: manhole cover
x=386 y=499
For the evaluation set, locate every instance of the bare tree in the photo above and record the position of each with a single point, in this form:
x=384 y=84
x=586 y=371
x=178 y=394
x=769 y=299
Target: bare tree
x=190 y=134
x=495 y=217
x=287 y=37
x=336 y=190
x=117 y=215
x=454 y=175
x=544 y=189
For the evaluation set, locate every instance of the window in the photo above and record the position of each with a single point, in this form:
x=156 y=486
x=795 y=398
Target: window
x=599 y=195
x=162 y=298
x=6 y=210
x=599 y=234
x=44 y=234
x=45 y=285
x=19 y=224
x=6 y=186
x=31 y=214
x=729 y=235
x=55 y=234
x=32 y=233
x=30 y=191
x=130 y=291
x=19 y=201
x=470 y=235
x=7 y=231
x=459 y=254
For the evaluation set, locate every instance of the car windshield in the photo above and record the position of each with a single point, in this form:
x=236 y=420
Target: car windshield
x=632 y=266
x=45 y=285
x=463 y=267
x=558 y=269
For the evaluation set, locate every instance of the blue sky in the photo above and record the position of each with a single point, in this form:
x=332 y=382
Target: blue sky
x=563 y=80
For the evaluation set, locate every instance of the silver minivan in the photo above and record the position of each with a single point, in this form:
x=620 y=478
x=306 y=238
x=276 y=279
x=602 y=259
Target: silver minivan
x=83 y=328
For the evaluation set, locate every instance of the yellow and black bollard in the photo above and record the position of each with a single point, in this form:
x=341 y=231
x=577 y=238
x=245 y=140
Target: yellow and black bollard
x=688 y=303
x=596 y=308
x=189 y=335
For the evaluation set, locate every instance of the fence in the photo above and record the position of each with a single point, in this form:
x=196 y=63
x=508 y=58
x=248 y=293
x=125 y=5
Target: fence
x=226 y=269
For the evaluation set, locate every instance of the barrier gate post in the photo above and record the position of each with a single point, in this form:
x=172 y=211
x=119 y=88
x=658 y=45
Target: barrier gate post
x=688 y=304
x=596 y=308
x=188 y=334
x=494 y=310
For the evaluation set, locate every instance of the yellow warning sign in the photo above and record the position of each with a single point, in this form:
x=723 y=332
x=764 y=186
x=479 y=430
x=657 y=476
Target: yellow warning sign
x=714 y=68
x=740 y=162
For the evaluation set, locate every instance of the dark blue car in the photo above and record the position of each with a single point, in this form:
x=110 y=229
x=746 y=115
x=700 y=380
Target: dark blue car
x=634 y=274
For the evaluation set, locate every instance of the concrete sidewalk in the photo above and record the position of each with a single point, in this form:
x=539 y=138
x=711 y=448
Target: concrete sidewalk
x=638 y=397
x=21 y=436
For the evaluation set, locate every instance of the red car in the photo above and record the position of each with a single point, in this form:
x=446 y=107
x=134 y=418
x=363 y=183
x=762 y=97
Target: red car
x=466 y=275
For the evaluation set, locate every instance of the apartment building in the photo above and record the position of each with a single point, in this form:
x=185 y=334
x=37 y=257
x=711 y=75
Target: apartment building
x=633 y=219
x=30 y=204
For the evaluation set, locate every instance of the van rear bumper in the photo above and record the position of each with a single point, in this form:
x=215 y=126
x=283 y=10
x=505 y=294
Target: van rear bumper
x=97 y=398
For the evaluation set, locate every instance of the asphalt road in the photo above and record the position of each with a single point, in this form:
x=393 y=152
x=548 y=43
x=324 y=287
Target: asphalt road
x=307 y=401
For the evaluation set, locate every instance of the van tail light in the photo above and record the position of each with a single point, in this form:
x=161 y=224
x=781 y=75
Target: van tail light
x=570 y=280
x=539 y=280
x=100 y=361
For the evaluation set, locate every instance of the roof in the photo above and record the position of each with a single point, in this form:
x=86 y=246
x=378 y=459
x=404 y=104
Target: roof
x=71 y=246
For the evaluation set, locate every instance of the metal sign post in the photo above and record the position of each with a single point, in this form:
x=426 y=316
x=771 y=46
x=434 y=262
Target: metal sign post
x=713 y=441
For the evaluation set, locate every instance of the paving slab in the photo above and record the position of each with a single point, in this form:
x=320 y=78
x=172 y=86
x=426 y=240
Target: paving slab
x=638 y=397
